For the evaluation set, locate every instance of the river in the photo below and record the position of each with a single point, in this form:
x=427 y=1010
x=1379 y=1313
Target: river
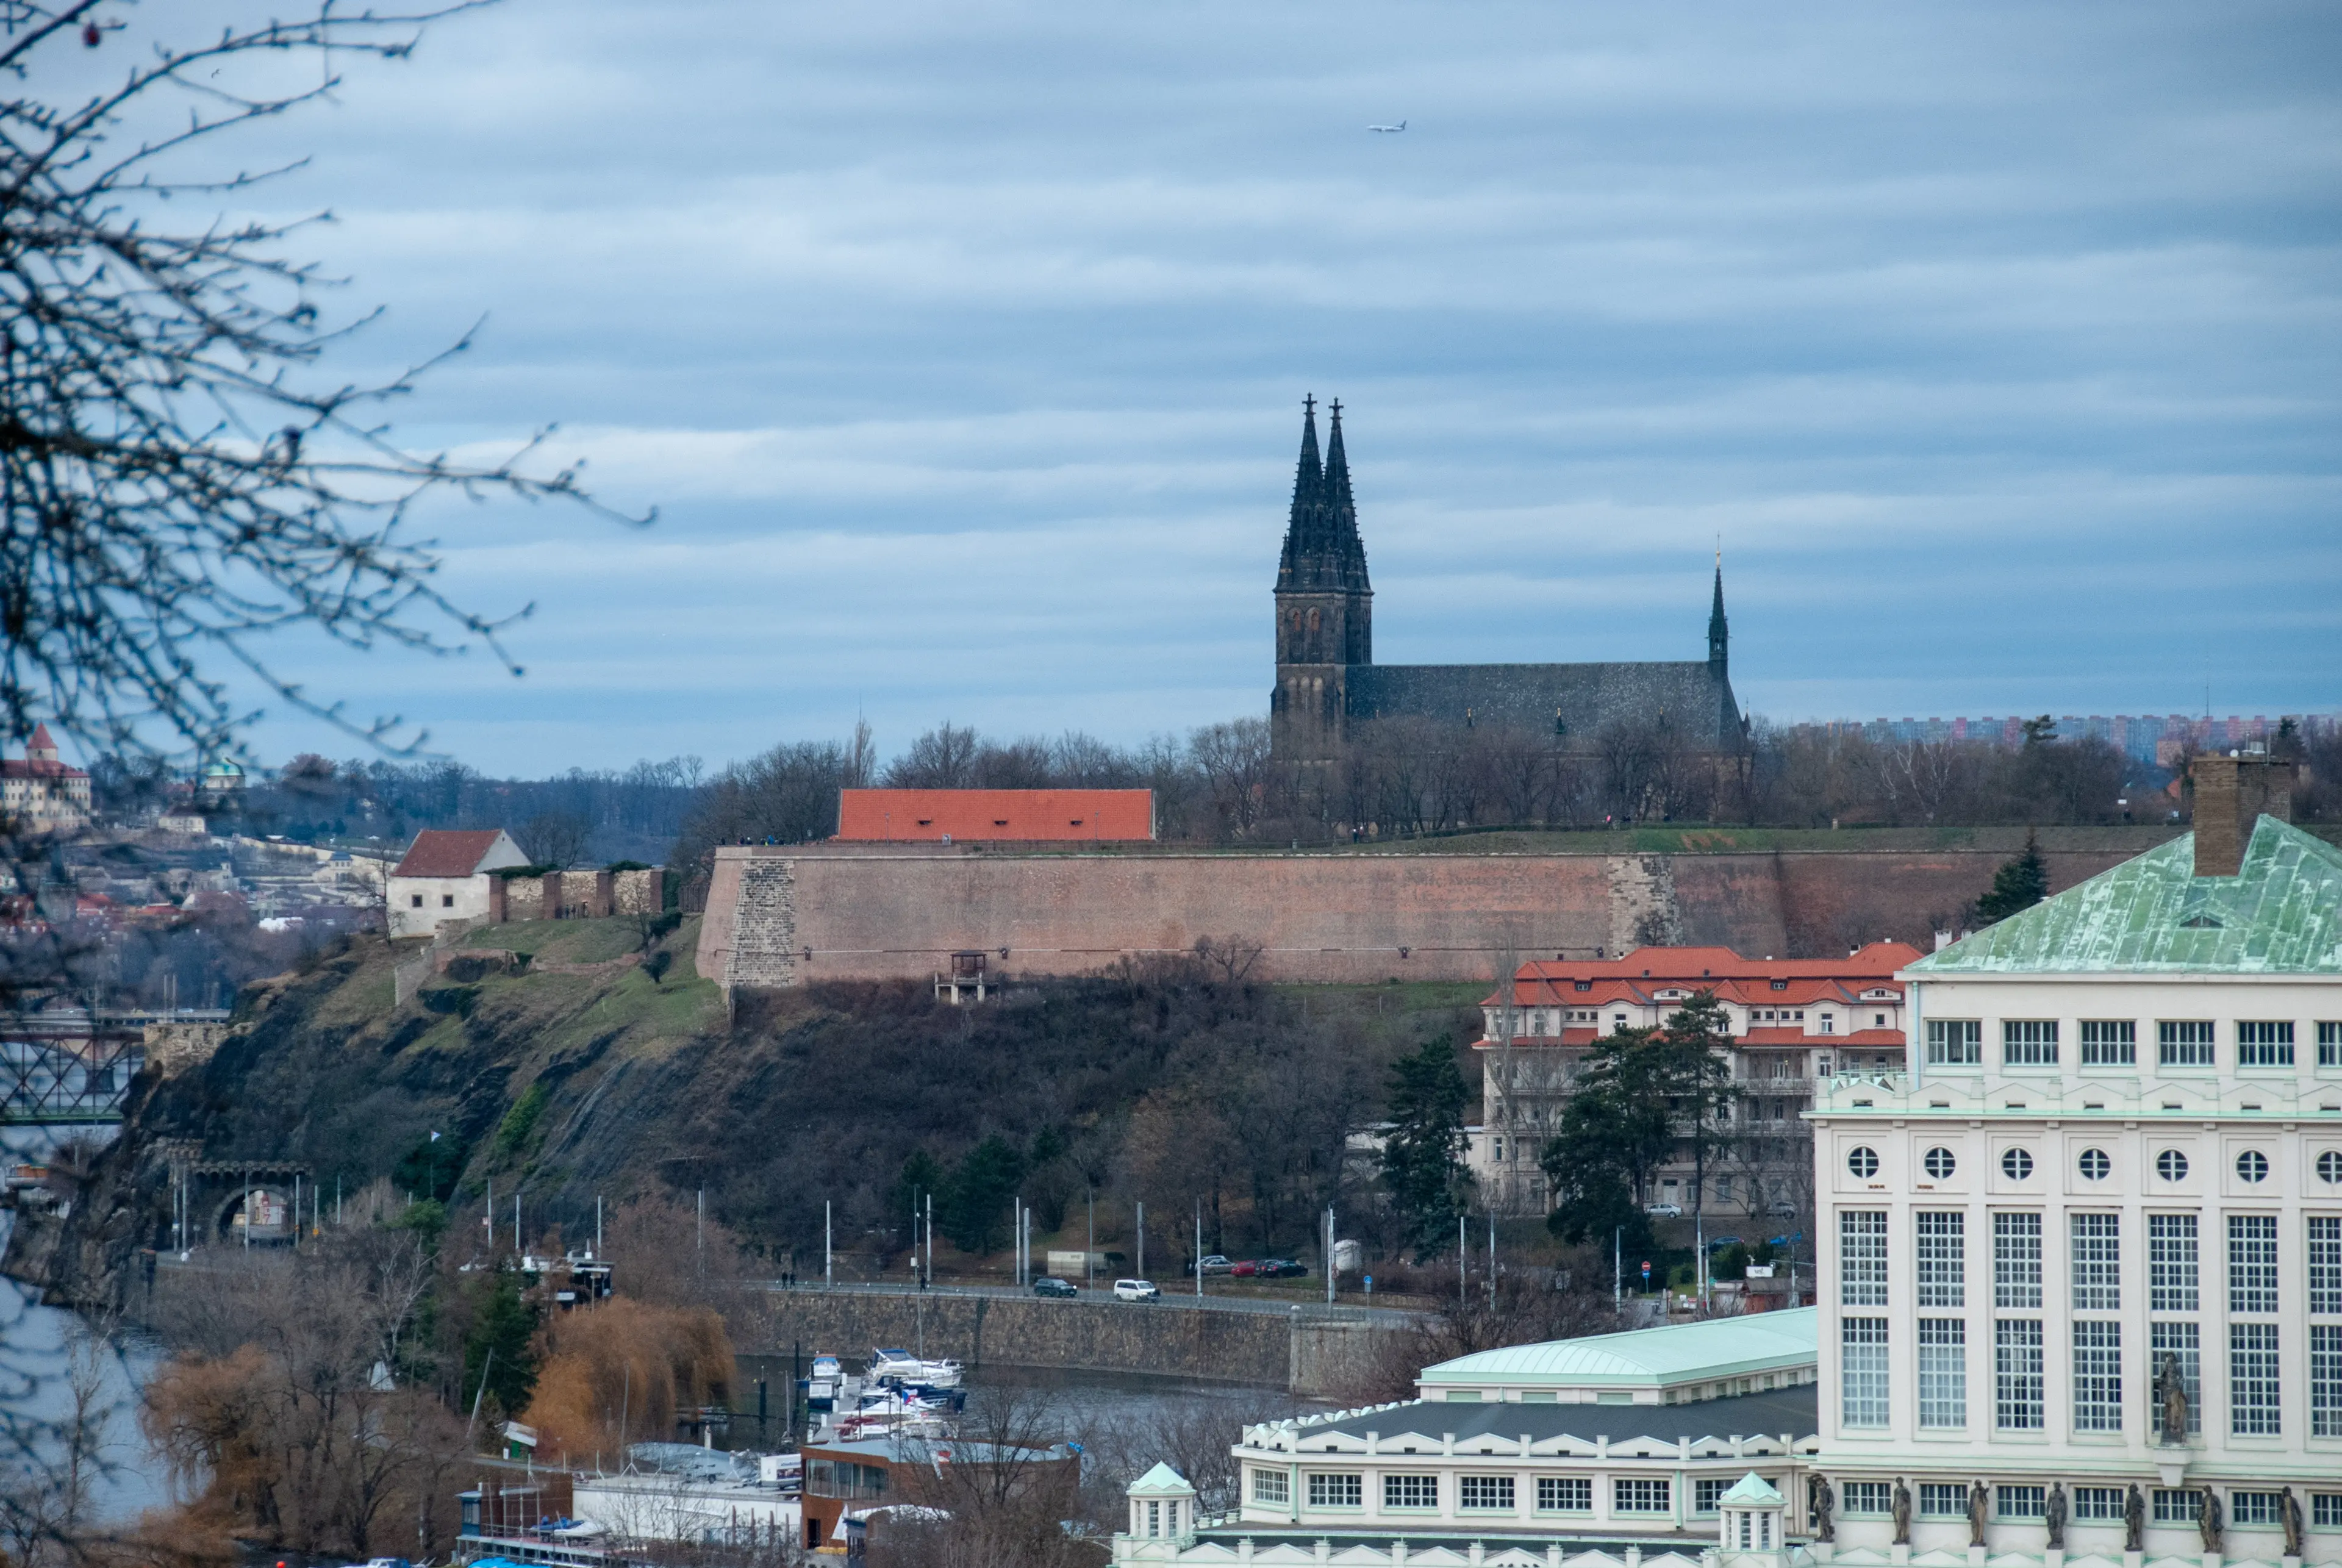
x=39 y=1348
x=1109 y=1414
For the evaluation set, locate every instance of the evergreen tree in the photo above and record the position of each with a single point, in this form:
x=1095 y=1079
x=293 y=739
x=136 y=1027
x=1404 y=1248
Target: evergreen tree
x=2020 y=884
x=500 y=1348
x=1423 y=1158
x=973 y=1207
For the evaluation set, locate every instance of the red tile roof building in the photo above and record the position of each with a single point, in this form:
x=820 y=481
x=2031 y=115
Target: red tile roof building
x=42 y=792
x=1792 y=1020
x=978 y=815
x=445 y=878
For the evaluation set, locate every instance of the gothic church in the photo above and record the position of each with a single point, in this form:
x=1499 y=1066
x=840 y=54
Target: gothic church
x=1327 y=682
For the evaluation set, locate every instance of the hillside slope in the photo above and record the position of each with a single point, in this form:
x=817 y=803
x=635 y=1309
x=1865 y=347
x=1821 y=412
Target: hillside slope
x=591 y=1072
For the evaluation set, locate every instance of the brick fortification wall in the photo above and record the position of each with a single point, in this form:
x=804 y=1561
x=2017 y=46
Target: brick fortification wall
x=780 y=916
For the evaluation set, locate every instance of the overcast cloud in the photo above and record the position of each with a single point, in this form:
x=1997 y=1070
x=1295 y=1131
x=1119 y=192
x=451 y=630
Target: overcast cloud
x=963 y=349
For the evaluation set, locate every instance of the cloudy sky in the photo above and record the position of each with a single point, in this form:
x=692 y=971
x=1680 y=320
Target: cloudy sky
x=962 y=350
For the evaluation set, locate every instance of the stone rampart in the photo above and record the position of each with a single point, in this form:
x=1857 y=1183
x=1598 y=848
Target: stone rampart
x=781 y=916
x=1299 y=1353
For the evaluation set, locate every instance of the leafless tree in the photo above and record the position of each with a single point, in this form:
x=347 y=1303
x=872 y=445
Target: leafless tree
x=557 y=838
x=181 y=478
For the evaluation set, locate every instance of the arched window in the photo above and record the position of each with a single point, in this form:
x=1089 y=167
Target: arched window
x=1313 y=620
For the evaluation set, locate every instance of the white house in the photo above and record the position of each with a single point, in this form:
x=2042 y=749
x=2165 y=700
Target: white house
x=2082 y=1266
x=444 y=877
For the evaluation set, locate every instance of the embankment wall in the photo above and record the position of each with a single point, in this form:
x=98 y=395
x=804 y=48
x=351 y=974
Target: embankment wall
x=782 y=916
x=1303 y=1355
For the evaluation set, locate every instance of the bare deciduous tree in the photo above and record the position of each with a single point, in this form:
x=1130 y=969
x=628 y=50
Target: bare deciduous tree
x=180 y=477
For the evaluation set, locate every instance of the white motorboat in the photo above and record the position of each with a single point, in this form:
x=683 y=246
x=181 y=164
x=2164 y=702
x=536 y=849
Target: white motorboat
x=902 y=1368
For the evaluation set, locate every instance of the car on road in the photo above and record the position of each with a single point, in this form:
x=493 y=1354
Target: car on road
x=1050 y=1285
x=1137 y=1291
x=1217 y=1264
x=1718 y=1243
x=1781 y=1210
x=1279 y=1269
x=1664 y=1211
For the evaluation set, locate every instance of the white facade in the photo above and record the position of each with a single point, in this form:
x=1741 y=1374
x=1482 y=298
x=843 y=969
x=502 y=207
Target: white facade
x=2091 y=1165
x=657 y=1507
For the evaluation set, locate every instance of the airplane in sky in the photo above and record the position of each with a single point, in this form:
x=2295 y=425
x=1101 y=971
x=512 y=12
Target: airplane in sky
x=1389 y=130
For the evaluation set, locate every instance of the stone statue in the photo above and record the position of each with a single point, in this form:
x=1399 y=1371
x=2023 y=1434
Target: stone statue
x=2288 y=1513
x=2135 y=1520
x=2171 y=1396
x=1824 y=1504
x=2208 y=1519
x=2054 y=1512
x=1902 y=1513
x=1980 y=1507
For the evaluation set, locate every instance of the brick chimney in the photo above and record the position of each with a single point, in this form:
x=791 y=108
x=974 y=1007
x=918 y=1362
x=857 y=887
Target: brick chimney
x=2232 y=793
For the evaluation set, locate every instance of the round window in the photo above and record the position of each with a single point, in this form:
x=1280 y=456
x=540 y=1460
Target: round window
x=1862 y=1162
x=2329 y=1167
x=2096 y=1165
x=2016 y=1164
x=2252 y=1165
x=1940 y=1163
x=2171 y=1165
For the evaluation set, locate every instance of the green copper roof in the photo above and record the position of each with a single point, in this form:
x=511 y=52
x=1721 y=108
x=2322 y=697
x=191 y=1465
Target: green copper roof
x=2281 y=913
x=1751 y=1491
x=1691 y=1351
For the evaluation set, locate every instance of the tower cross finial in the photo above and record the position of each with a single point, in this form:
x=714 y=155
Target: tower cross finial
x=1308 y=403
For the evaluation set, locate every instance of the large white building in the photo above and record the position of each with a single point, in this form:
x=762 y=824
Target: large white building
x=2081 y=1267
x=2082 y=1286
x=444 y=877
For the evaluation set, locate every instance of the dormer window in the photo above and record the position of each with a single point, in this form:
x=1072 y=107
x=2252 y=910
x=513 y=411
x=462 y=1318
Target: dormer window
x=1780 y=985
x=1583 y=985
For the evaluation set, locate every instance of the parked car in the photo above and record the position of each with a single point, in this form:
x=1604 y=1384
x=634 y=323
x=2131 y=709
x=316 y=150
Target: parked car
x=1279 y=1269
x=1781 y=1210
x=1135 y=1291
x=1050 y=1285
x=1244 y=1270
x=1664 y=1211
x=1718 y=1243
x=1217 y=1265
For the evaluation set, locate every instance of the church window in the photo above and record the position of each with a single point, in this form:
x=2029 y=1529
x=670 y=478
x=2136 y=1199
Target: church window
x=1313 y=620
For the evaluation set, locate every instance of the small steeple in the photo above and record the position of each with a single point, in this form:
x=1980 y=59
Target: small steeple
x=1717 y=636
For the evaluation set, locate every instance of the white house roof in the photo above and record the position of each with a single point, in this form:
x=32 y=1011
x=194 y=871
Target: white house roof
x=1161 y=1482
x=1751 y=1491
x=1680 y=1353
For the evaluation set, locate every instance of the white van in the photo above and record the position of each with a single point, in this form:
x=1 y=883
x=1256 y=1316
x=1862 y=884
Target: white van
x=1135 y=1291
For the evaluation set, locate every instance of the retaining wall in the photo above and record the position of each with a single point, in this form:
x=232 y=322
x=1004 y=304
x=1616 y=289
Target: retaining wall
x=781 y=916
x=1302 y=1354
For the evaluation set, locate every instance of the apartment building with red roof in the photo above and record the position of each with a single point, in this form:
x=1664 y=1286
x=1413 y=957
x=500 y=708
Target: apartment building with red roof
x=42 y=792
x=1792 y=1022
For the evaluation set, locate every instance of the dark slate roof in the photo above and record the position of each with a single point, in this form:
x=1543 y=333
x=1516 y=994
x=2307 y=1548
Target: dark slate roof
x=1323 y=551
x=1585 y=698
x=1793 y=1410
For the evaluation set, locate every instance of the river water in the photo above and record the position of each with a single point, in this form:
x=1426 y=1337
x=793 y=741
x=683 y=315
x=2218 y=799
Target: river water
x=41 y=1349
x=1115 y=1417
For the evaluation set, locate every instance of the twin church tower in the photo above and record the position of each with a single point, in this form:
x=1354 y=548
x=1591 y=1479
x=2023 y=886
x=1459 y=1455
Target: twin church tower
x=1327 y=682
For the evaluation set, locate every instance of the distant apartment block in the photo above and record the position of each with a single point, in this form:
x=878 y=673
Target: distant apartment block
x=1794 y=1021
x=2149 y=737
x=41 y=793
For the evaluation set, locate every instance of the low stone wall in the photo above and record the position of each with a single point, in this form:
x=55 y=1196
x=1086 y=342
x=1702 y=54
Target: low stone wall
x=1302 y=1354
x=642 y=891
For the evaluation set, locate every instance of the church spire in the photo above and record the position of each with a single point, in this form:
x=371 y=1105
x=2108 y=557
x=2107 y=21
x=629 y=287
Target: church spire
x=1303 y=528
x=1718 y=638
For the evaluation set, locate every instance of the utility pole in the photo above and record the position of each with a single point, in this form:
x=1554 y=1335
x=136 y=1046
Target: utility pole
x=699 y=1238
x=1142 y=1239
x=1091 y=1246
x=598 y=1225
x=930 y=1278
x=1618 y=1269
x=1199 y=1251
x=1463 y=1258
x=828 y=1270
x=1329 y=1254
x=516 y=1221
x=1492 y=1260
